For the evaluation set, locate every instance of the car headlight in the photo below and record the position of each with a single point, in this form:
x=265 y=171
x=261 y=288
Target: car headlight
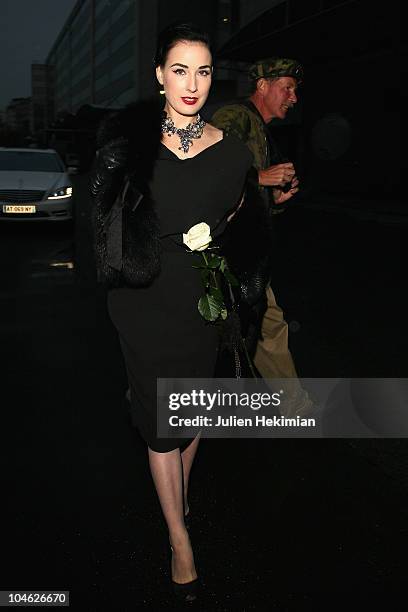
x=58 y=194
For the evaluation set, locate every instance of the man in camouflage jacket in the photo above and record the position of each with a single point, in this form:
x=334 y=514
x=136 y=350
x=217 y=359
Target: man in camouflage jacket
x=274 y=82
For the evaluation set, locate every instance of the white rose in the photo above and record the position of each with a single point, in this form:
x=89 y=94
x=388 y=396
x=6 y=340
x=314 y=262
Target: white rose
x=198 y=237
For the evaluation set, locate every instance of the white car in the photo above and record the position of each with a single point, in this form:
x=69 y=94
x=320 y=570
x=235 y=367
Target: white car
x=34 y=185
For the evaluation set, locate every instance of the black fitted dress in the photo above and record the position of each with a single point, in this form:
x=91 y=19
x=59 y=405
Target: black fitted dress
x=161 y=332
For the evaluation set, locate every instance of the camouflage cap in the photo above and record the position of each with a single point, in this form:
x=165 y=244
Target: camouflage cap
x=274 y=67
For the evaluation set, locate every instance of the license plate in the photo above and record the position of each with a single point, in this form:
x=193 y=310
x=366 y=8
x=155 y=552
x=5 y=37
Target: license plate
x=18 y=208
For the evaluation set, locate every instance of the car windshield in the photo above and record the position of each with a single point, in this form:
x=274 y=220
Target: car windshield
x=30 y=161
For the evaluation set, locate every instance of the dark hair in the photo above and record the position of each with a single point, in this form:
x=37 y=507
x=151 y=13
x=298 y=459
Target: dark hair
x=175 y=33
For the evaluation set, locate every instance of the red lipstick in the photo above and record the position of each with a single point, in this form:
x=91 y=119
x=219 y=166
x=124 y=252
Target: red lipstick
x=190 y=101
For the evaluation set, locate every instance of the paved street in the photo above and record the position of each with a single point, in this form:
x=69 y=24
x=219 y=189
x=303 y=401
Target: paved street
x=276 y=524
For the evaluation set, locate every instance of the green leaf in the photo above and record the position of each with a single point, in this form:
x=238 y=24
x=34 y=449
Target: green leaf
x=214 y=262
x=224 y=314
x=223 y=265
x=217 y=294
x=210 y=305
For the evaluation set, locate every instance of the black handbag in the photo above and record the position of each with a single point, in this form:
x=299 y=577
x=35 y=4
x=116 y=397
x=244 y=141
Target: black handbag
x=113 y=228
x=128 y=251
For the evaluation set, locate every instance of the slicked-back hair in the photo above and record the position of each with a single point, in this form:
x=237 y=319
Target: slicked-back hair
x=175 y=33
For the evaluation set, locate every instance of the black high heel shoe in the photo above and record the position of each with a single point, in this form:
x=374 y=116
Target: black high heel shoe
x=185 y=592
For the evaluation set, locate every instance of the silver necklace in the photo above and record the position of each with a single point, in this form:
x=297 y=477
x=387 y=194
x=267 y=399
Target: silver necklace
x=193 y=130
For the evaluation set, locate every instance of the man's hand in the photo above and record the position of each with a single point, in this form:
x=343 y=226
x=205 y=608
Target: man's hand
x=280 y=197
x=276 y=176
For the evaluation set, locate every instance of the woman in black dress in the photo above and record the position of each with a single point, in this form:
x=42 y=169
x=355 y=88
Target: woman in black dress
x=197 y=175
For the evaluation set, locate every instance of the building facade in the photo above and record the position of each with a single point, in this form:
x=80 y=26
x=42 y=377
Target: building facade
x=104 y=54
x=18 y=115
x=95 y=55
x=42 y=103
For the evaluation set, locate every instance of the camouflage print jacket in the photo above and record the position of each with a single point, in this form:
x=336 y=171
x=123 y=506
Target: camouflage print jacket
x=244 y=120
x=247 y=125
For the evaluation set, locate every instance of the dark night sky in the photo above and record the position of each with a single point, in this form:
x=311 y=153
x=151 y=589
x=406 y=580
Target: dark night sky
x=28 y=29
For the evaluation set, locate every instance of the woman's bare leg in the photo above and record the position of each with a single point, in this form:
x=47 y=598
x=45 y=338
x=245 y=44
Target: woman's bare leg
x=187 y=458
x=167 y=473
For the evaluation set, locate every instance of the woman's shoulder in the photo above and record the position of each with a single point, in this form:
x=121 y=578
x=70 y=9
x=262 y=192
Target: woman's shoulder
x=237 y=149
x=229 y=147
x=214 y=132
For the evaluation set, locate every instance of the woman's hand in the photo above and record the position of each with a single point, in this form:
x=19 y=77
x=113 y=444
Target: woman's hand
x=110 y=160
x=113 y=155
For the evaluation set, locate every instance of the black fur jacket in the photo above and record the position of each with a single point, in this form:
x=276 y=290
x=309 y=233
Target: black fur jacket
x=126 y=227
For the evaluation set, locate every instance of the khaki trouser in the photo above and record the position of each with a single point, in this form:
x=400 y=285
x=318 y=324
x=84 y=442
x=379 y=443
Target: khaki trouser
x=273 y=359
x=272 y=356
